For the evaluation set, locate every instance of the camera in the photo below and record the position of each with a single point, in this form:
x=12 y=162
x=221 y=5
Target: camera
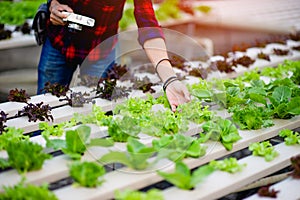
x=76 y=21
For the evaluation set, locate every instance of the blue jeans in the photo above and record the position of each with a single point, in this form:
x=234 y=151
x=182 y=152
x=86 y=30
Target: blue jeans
x=53 y=67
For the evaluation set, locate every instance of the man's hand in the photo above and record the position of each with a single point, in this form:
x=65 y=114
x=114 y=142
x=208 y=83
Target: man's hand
x=56 y=14
x=177 y=94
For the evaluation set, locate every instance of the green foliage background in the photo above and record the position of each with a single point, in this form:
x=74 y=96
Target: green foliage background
x=16 y=13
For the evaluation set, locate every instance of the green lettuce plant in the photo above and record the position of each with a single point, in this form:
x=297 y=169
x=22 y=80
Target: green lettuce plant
x=264 y=149
x=290 y=137
x=27 y=192
x=87 y=174
x=139 y=195
x=178 y=146
x=25 y=156
x=76 y=142
x=222 y=130
x=229 y=165
x=183 y=178
x=136 y=156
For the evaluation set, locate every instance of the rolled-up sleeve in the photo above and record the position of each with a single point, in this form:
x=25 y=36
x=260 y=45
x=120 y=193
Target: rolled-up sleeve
x=147 y=23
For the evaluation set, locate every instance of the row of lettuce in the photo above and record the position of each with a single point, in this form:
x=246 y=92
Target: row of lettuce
x=253 y=101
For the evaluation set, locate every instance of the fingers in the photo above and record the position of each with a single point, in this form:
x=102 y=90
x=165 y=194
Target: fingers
x=177 y=94
x=173 y=103
x=187 y=95
x=56 y=16
x=173 y=107
x=173 y=100
x=56 y=20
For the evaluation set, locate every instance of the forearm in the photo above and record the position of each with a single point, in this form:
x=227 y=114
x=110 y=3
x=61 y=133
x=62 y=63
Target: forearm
x=176 y=91
x=156 y=51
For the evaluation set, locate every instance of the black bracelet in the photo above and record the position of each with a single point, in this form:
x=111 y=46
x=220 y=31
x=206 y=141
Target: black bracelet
x=176 y=79
x=164 y=59
x=168 y=81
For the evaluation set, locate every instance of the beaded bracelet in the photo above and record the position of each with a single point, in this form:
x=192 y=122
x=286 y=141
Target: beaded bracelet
x=169 y=81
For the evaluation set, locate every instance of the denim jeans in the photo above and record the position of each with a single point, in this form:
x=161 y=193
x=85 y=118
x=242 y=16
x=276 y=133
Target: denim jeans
x=53 y=67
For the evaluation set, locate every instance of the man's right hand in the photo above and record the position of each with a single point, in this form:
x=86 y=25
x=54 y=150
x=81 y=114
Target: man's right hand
x=56 y=15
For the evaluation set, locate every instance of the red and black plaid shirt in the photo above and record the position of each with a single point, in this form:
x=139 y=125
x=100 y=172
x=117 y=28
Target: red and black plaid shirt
x=107 y=14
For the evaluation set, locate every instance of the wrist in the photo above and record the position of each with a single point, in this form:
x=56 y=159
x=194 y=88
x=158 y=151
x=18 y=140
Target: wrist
x=169 y=81
x=164 y=69
x=167 y=74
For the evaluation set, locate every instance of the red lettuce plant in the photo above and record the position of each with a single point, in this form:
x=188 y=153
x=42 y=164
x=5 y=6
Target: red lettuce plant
x=107 y=89
x=267 y=192
x=143 y=84
x=18 y=95
x=263 y=56
x=296 y=166
x=36 y=112
x=56 y=89
x=199 y=72
x=178 y=62
x=78 y=99
x=222 y=66
x=297 y=48
x=281 y=52
x=117 y=71
x=244 y=60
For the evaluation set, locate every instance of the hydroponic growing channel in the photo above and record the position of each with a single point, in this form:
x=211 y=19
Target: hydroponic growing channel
x=103 y=147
